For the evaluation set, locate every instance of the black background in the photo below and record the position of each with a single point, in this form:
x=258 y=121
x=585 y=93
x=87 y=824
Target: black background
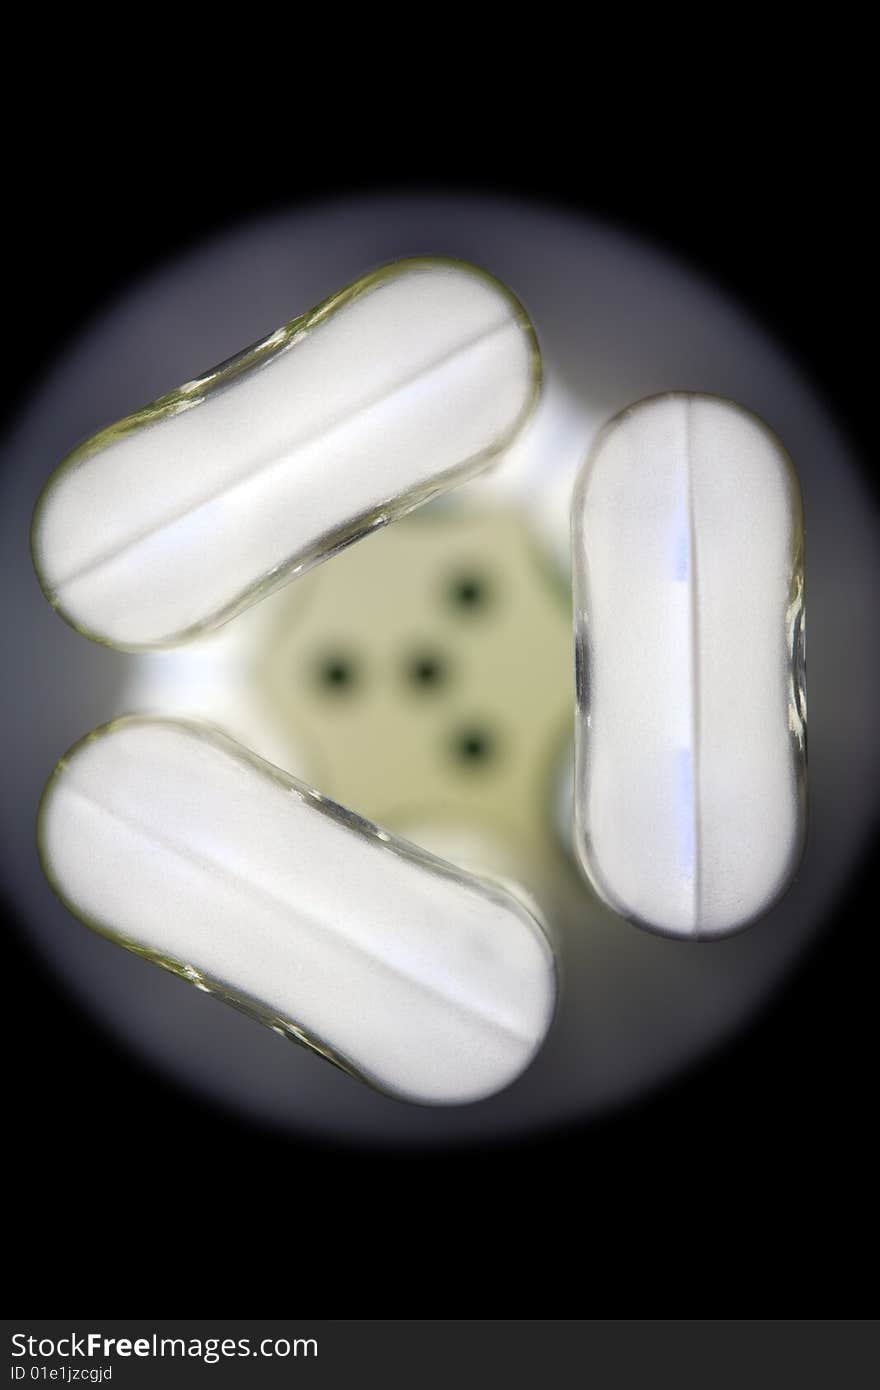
x=748 y=1187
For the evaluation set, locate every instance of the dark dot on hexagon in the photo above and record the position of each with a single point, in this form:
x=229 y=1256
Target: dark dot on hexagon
x=474 y=747
x=426 y=671
x=469 y=592
x=338 y=674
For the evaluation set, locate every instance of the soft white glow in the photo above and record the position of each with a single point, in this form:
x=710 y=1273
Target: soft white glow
x=177 y=842
x=688 y=551
x=403 y=385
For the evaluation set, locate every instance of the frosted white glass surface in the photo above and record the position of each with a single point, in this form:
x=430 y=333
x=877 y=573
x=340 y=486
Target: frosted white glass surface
x=402 y=385
x=415 y=976
x=687 y=540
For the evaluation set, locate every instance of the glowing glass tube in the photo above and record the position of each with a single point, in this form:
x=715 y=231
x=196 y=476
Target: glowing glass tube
x=689 y=609
x=179 y=844
x=404 y=384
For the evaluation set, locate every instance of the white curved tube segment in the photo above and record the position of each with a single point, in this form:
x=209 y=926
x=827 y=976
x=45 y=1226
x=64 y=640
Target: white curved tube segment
x=687 y=537
x=404 y=384
x=184 y=847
